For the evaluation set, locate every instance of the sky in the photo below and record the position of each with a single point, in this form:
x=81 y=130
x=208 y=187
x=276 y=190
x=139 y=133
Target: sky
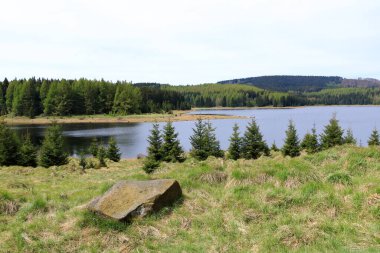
x=188 y=41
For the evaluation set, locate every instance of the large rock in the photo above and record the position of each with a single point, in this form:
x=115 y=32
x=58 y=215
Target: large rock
x=128 y=199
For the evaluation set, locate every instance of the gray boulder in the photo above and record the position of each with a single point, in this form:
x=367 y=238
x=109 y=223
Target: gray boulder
x=129 y=199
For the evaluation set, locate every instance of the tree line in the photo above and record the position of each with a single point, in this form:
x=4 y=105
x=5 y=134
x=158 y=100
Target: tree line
x=250 y=145
x=22 y=152
x=33 y=97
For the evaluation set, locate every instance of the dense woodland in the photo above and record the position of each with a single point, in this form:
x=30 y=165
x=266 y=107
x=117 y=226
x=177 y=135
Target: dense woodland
x=33 y=97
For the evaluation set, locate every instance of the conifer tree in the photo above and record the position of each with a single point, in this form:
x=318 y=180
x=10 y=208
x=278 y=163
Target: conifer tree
x=349 y=137
x=101 y=155
x=9 y=146
x=3 y=106
x=10 y=95
x=212 y=144
x=199 y=141
x=28 y=153
x=310 y=142
x=155 y=144
x=27 y=100
x=374 y=139
x=113 y=151
x=150 y=165
x=82 y=161
x=291 y=146
x=94 y=146
x=274 y=147
x=52 y=151
x=234 y=150
x=332 y=134
x=253 y=144
x=171 y=147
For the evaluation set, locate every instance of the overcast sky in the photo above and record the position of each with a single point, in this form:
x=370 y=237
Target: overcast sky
x=188 y=41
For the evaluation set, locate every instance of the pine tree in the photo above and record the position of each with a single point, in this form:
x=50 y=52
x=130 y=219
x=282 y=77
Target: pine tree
x=82 y=161
x=253 y=144
x=9 y=146
x=274 y=147
x=52 y=151
x=155 y=144
x=10 y=95
x=113 y=151
x=28 y=153
x=28 y=99
x=212 y=144
x=349 y=137
x=374 y=139
x=3 y=105
x=198 y=141
x=150 y=165
x=101 y=155
x=310 y=142
x=332 y=134
x=291 y=146
x=94 y=146
x=171 y=147
x=234 y=150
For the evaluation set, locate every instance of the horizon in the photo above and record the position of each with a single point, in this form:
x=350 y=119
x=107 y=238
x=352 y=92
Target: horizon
x=191 y=42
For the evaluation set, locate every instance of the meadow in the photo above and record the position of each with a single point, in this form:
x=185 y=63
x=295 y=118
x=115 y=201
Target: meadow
x=323 y=202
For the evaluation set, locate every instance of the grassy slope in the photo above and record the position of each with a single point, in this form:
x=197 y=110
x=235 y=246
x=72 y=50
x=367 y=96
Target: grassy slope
x=324 y=202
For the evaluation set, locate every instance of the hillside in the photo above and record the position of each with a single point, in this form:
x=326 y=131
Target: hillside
x=325 y=202
x=286 y=83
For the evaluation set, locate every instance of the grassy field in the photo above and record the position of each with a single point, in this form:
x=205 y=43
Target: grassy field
x=327 y=202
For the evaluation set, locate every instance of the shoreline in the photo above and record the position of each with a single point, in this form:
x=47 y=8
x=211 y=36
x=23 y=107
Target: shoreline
x=140 y=118
x=143 y=118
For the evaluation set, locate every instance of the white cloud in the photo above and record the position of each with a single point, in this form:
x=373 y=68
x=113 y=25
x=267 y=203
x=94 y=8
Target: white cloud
x=187 y=41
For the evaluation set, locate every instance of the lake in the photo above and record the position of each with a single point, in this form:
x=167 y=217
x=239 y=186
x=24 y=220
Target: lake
x=131 y=137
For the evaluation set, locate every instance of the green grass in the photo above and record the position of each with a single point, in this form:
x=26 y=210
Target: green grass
x=326 y=202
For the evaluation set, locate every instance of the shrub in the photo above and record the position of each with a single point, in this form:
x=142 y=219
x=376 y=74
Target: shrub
x=150 y=165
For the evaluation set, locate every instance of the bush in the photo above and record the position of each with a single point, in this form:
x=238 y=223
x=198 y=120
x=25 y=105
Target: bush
x=150 y=165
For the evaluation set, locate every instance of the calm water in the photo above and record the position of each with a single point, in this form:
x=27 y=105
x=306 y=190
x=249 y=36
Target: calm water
x=131 y=137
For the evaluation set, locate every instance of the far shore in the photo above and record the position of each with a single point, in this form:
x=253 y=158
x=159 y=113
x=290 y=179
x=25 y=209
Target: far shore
x=137 y=118
x=152 y=117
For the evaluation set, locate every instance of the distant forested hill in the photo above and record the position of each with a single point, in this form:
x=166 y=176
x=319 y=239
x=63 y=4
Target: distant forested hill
x=289 y=83
x=361 y=82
